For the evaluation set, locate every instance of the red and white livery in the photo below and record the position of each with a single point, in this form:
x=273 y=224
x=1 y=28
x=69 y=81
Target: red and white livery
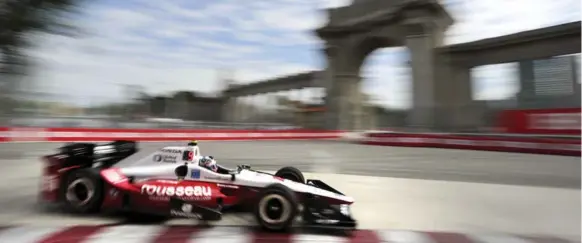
x=171 y=183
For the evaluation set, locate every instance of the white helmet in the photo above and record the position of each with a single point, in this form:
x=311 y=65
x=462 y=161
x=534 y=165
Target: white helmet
x=209 y=162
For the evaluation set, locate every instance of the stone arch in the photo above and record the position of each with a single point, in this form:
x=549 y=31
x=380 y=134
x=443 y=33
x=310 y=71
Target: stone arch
x=353 y=32
x=365 y=46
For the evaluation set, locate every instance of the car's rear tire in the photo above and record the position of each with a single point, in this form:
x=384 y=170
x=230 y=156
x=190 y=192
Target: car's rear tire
x=276 y=208
x=291 y=173
x=82 y=191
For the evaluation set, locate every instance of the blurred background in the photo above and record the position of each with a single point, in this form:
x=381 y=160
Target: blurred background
x=488 y=68
x=157 y=64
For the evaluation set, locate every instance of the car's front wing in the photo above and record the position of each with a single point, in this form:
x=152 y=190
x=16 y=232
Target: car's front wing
x=318 y=213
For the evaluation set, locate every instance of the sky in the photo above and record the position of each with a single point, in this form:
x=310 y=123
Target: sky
x=164 y=46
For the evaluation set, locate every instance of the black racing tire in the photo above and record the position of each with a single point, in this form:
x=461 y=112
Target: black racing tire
x=291 y=173
x=276 y=208
x=82 y=191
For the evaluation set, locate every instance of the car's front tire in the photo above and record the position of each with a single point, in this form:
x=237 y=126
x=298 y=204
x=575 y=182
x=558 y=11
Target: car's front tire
x=82 y=191
x=291 y=173
x=276 y=208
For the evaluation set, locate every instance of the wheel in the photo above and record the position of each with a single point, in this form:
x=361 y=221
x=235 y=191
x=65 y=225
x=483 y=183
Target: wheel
x=291 y=173
x=82 y=191
x=276 y=208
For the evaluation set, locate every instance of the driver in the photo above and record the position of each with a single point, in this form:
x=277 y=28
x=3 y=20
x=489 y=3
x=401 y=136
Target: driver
x=208 y=162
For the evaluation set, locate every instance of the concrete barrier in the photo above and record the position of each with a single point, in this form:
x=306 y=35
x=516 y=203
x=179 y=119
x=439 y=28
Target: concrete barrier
x=16 y=134
x=534 y=145
x=570 y=147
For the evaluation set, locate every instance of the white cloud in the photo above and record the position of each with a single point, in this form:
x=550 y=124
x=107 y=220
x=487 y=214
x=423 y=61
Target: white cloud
x=334 y=3
x=170 y=45
x=495 y=82
x=490 y=18
x=296 y=18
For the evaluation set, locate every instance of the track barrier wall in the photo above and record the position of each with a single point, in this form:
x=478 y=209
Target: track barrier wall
x=534 y=145
x=564 y=121
x=86 y=134
x=570 y=147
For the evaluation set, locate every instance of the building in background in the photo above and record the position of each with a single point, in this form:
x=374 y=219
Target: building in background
x=549 y=83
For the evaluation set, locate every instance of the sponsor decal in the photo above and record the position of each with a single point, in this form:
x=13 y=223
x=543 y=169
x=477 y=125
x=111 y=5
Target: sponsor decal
x=174 y=212
x=187 y=193
x=188 y=156
x=186 y=212
x=216 y=178
x=555 y=121
x=173 y=151
x=227 y=186
x=167 y=181
x=195 y=174
x=165 y=158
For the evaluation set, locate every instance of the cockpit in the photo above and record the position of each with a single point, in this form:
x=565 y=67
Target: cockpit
x=207 y=163
x=193 y=155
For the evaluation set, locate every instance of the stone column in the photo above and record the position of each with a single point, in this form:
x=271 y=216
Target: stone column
x=357 y=103
x=343 y=102
x=466 y=115
x=330 y=99
x=343 y=105
x=421 y=46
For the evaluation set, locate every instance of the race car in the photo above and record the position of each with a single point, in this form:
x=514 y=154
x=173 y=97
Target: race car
x=171 y=183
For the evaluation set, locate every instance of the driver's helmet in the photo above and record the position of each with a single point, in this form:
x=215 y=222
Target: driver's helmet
x=208 y=162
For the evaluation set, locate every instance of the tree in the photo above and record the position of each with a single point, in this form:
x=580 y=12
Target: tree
x=19 y=19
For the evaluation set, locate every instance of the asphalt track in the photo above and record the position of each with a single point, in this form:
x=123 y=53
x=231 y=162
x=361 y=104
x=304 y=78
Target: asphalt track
x=343 y=158
x=458 y=190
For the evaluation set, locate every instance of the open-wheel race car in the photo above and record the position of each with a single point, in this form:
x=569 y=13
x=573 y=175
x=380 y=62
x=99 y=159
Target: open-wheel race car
x=169 y=182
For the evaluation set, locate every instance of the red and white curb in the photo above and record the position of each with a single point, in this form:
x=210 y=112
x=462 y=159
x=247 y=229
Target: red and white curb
x=193 y=234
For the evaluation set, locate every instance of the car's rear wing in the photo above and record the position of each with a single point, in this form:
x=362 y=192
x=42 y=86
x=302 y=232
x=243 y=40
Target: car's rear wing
x=85 y=154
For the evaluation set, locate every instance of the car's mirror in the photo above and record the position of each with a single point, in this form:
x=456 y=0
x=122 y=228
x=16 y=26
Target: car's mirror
x=242 y=167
